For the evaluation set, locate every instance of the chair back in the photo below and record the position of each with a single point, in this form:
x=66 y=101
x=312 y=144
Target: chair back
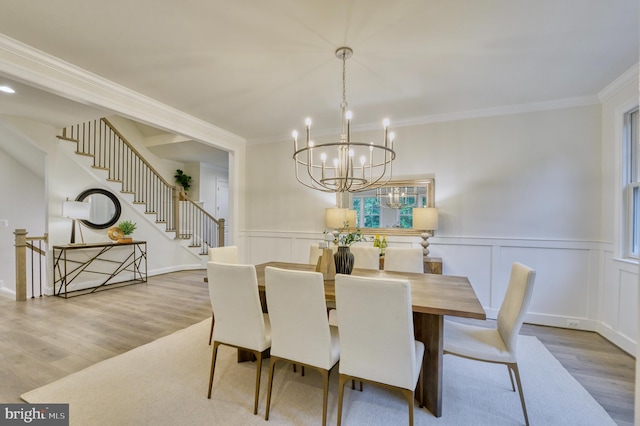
x=376 y=330
x=515 y=304
x=226 y=254
x=239 y=321
x=365 y=257
x=404 y=259
x=298 y=315
x=314 y=253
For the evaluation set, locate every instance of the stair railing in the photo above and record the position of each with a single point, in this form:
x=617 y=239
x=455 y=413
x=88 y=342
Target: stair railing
x=124 y=164
x=199 y=226
x=36 y=260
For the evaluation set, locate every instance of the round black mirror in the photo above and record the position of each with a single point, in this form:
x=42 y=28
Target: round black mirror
x=105 y=208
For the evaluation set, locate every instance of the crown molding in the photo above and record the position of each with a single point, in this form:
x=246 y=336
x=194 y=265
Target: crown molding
x=630 y=76
x=454 y=116
x=36 y=68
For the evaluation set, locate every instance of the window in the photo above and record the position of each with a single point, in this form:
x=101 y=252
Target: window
x=368 y=211
x=371 y=215
x=632 y=183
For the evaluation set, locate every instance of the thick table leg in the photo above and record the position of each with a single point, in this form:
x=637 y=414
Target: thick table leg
x=428 y=330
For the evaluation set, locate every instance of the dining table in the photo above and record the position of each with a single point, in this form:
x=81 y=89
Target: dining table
x=432 y=297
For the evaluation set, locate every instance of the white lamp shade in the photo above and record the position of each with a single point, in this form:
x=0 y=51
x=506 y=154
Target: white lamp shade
x=335 y=217
x=351 y=218
x=76 y=210
x=425 y=218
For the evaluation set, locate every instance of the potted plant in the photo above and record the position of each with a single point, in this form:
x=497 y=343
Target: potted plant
x=183 y=179
x=343 y=257
x=127 y=227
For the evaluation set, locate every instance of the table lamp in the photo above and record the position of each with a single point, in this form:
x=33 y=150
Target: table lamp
x=76 y=210
x=339 y=219
x=425 y=219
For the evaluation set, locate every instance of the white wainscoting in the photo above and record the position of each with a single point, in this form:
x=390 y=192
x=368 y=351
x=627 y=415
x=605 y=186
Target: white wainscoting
x=619 y=307
x=578 y=283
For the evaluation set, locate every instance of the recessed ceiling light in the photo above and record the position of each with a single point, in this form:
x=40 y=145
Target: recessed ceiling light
x=7 y=89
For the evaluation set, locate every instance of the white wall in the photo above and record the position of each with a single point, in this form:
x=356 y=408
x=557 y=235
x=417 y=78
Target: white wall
x=523 y=187
x=618 y=311
x=23 y=194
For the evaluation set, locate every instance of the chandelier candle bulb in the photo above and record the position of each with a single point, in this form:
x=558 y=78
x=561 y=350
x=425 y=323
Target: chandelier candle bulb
x=308 y=123
x=295 y=141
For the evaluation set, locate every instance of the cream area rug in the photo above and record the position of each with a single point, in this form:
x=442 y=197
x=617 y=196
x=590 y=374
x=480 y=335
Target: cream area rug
x=165 y=383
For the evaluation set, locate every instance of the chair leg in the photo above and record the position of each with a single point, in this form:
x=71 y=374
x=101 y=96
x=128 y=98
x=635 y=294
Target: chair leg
x=408 y=395
x=325 y=395
x=513 y=388
x=213 y=366
x=514 y=367
x=258 y=371
x=211 y=332
x=270 y=385
x=343 y=379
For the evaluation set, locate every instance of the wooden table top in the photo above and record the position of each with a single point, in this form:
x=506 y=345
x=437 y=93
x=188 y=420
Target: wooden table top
x=430 y=293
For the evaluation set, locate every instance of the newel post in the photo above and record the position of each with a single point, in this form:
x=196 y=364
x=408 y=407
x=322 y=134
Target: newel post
x=220 y=232
x=21 y=264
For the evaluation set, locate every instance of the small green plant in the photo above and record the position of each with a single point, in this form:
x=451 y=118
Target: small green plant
x=183 y=180
x=340 y=238
x=352 y=237
x=127 y=227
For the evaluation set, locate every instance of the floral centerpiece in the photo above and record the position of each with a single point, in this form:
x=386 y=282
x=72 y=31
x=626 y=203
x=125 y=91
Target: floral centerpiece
x=343 y=257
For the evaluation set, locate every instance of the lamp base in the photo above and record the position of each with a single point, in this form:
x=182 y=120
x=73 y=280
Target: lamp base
x=425 y=243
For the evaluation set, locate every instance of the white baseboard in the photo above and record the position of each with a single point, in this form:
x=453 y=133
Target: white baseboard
x=617 y=339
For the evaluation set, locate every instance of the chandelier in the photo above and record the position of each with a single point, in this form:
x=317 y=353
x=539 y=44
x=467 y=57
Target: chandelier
x=397 y=197
x=344 y=165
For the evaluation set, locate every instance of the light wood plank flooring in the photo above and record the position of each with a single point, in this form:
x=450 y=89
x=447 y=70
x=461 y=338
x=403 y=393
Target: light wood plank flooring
x=45 y=339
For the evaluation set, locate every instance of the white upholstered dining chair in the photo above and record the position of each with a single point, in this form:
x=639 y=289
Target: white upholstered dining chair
x=365 y=257
x=496 y=345
x=314 y=254
x=240 y=322
x=300 y=329
x=226 y=254
x=377 y=343
x=404 y=259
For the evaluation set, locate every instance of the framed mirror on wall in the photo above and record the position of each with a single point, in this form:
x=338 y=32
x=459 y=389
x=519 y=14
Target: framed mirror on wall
x=105 y=208
x=388 y=210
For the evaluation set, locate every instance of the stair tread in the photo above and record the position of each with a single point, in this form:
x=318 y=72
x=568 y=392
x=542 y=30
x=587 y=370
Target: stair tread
x=64 y=138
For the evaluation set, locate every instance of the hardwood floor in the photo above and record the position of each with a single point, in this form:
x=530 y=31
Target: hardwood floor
x=45 y=339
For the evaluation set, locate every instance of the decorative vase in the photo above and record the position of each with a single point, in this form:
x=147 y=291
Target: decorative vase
x=125 y=240
x=344 y=260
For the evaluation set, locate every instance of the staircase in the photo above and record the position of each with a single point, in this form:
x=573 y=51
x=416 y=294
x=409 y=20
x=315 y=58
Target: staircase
x=167 y=203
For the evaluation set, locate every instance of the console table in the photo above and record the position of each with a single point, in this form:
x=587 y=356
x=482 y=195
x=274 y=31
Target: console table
x=101 y=259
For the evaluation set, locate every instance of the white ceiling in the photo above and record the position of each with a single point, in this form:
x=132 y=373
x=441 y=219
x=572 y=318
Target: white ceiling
x=258 y=68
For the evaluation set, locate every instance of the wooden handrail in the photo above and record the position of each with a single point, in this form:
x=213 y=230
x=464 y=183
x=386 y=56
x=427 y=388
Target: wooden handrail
x=135 y=151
